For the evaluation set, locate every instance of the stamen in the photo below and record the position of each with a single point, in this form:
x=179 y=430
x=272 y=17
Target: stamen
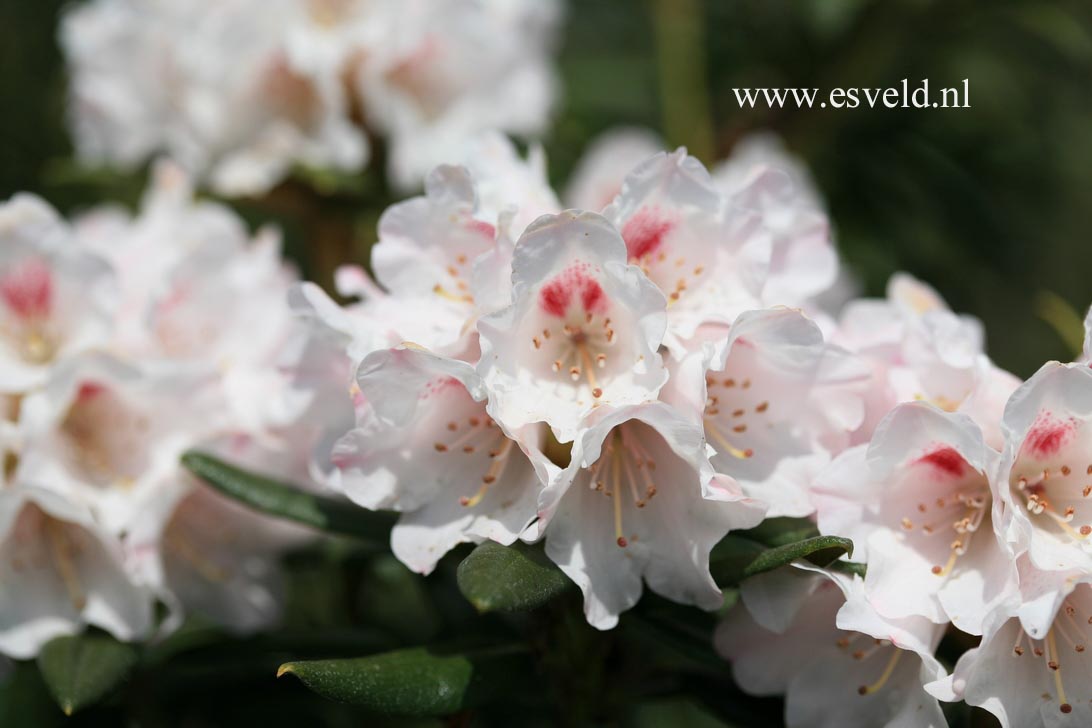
x=632 y=482
x=208 y=570
x=588 y=368
x=1063 y=705
x=723 y=441
x=62 y=548
x=617 y=496
x=496 y=467
x=947 y=568
x=878 y=685
x=442 y=292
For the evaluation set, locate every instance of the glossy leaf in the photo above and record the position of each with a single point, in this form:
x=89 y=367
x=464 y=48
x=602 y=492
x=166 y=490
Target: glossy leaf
x=80 y=670
x=781 y=531
x=285 y=501
x=417 y=682
x=510 y=578
x=736 y=558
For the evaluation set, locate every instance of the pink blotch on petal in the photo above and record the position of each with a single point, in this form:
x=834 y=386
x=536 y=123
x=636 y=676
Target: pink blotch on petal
x=592 y=296
x=573 y=285
x=482 y=228
x=645 y=232
x=1047 y=436
x=945 y=460
x=28 y=289
x=89 y=390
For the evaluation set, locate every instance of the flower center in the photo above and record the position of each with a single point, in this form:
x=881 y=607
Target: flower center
x=61 y=544
x=624 y=465
x=646 y=235
x=580 y=349
x=27 y=294
x=1061 y=496
x=1069 y=627
x=106 y=440
x=730 y=412
x=478 y=435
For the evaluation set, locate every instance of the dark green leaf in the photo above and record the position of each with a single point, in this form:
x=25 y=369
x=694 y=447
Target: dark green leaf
x=781 y=531
x=730 y=558
x=285 y=501
x=25 y=699
x=820 y=550
x=82 y=669
x=736 y=558
x=509 y=578
x=413 y=682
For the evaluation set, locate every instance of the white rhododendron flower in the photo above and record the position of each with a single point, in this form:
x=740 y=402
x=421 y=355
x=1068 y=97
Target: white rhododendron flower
x=444 y=71
x=425 y=446
x=150 y=335
x=511 y=189
x=429 y=251
x=918 y=505
x=919 y=350
x=1045 y=483
x=630 y=508
x=772 y=398
x=625 y=385
x=96 y=433
x=583 y=329
x=1025 y=680
x=602 y=169
x=55 y=299
x=242 y=94
x=230 y=94
x=201 y=553
x=60 y=571
x=819 y=642
x=509 y=339
x=709 y=260
x=761 y=176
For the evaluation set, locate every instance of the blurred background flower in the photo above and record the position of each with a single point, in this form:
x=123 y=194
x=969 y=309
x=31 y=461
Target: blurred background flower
x=987 y=203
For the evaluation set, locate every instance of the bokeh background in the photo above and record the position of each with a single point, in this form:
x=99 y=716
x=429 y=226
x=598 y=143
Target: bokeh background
x=990 y=204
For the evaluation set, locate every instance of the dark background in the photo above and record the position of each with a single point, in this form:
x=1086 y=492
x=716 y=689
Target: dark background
x=989 y=204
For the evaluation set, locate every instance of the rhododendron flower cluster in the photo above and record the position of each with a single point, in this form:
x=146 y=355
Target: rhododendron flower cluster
x=241 y=92
x=632 y=381
x=124 y=341
x=626 y=381
x=620 y=382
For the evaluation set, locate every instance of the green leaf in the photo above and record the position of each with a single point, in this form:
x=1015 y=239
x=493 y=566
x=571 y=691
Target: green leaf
x=290 y=503
x=781 y=531
x=820 y=550
x=736 y=558
x=80 y=670
x=730 y=558
x=509 y=578
x=417 y=682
